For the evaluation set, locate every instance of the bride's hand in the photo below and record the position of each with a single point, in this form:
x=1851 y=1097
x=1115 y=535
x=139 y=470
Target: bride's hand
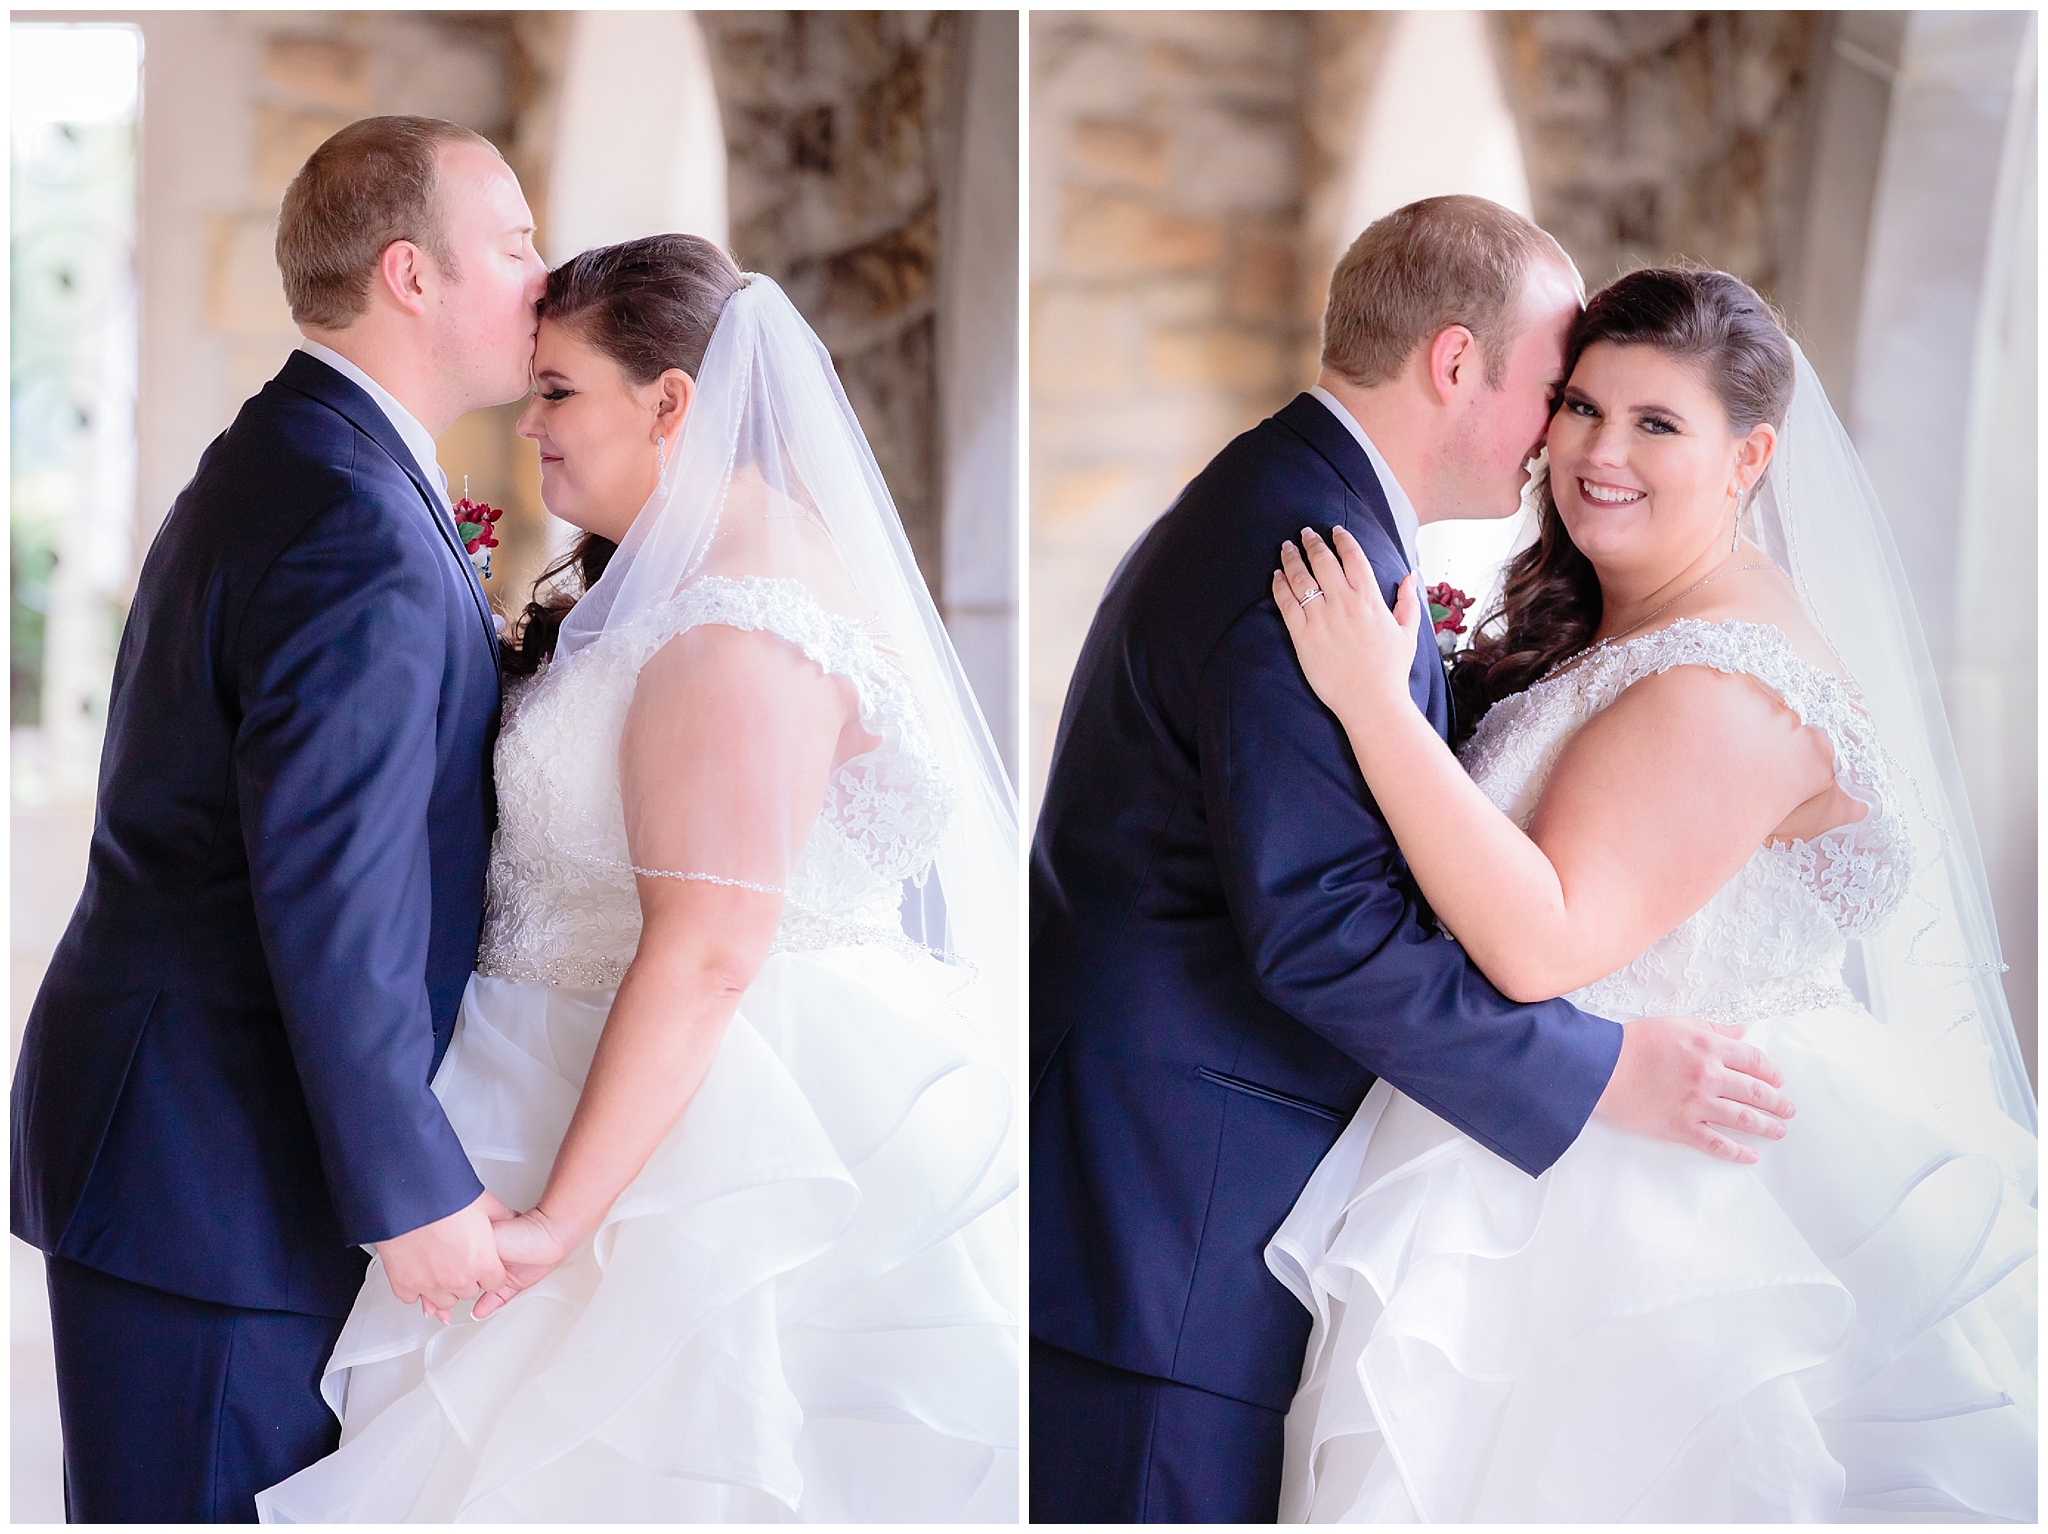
x=1355 y=653
x=530 y=1248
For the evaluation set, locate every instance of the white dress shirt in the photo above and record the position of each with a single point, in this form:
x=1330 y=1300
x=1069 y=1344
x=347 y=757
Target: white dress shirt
x=415 y=436
x=1405 y=521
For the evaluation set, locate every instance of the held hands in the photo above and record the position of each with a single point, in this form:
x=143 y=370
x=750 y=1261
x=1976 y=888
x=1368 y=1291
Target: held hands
x=531 y=1248
x=1680 y=1079
x=1355 y=653
x=444 y=1263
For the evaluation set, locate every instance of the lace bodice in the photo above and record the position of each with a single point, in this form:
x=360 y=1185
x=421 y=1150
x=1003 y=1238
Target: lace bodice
x=1773 y=938
x=561 y=904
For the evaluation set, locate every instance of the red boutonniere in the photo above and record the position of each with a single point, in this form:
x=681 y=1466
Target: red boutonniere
x=1447 y=608
x=475 y=524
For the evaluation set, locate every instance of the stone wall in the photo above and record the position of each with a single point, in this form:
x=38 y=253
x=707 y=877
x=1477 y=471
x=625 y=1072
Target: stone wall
x=836 y=127
x=1187 y=193
x=1190 y=173
x=1345 y=51
x=839 y=124
x=1166 y=316
x=1655 y=134
x=233 y=103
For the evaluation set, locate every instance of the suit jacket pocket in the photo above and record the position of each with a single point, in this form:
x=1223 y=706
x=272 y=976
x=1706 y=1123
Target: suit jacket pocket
x=1268 y=1094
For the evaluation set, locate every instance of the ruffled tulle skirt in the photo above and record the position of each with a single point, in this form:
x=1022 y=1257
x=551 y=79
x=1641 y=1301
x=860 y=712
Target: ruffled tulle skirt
x=1845 y=1330
x=802 y=1309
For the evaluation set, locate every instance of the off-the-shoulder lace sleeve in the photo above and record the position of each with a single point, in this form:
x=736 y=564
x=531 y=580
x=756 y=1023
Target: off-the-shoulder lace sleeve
x=562 y=905
x=1858 y=870
x=892 y=803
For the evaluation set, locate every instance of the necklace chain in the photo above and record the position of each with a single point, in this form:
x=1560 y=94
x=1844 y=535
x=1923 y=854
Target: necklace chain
x=1653 y=612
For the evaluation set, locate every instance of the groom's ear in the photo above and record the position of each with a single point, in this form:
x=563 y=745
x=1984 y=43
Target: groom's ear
x=403 y=271
x=1451 y=361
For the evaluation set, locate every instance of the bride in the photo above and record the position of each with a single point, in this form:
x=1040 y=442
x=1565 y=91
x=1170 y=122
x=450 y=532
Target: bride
x=736 y=1039
x=1708 y=781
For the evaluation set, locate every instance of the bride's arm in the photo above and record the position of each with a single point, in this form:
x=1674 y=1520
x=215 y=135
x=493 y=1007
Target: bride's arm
x=1651 y=808
x=722 y=767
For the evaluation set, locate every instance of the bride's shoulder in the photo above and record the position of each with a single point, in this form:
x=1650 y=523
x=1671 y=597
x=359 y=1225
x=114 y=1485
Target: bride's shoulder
x=1757 y=609
x=1724 y=667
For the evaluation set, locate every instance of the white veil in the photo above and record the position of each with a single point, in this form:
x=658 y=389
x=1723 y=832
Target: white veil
x=772 y=479
x=1932 y=971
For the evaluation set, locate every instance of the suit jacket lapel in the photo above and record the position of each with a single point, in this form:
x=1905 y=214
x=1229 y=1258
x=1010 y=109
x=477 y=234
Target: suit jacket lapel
x=310 y=376
x=1310 y=419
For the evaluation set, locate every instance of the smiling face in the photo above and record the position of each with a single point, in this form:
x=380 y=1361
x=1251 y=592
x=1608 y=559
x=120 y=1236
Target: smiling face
x=596 y=431
x=484 y=318
x=1643 y=462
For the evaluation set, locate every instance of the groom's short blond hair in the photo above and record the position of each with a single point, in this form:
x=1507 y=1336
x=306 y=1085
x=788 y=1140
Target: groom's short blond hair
x=1436 y=263
x=370 y=184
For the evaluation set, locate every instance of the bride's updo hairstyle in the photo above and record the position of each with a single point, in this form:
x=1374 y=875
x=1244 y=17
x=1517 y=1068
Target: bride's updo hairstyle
x=649 y=305
x=1550 y=603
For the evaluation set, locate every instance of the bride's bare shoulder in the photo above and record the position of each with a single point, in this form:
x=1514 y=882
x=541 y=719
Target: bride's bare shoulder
x=1767 y=596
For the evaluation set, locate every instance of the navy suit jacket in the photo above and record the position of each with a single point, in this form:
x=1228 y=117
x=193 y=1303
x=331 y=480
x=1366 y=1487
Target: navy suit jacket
x=224 y=1082
x=1226 y=946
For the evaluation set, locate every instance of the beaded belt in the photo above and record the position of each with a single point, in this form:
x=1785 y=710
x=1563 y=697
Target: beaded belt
x=1781 y=998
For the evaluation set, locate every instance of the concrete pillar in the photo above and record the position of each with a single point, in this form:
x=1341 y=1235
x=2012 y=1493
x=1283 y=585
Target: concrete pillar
x=977 y=368
x=639 y=148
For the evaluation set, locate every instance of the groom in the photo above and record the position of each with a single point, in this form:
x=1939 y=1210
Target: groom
x=223 y=1091
x=1225 y=946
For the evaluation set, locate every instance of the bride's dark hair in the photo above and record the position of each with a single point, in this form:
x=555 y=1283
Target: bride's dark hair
x=1550 y=603
x=649 y=305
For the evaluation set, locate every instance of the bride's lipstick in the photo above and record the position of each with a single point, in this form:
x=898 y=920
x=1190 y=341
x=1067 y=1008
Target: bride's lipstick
x=1609 y=495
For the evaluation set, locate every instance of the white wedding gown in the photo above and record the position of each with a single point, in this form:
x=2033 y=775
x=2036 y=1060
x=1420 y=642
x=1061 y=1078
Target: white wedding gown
x=1642 y=1333
x=803 y=1306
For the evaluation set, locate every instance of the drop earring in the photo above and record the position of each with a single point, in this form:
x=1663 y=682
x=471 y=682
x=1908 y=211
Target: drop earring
x=661 y=463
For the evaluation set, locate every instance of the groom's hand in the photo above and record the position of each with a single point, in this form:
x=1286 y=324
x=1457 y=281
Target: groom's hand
x=442 y=1264
x=530 y=1246
x=1685 y=1080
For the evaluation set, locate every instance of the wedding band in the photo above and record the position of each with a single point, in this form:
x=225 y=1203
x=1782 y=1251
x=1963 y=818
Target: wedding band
x=1304 y=601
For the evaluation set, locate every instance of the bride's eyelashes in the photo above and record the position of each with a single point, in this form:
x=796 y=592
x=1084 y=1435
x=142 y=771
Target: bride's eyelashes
x=553 y=396
x=1656 y=424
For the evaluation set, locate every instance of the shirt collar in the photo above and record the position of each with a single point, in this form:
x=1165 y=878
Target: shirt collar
x=418 y=441
x=1405 y=520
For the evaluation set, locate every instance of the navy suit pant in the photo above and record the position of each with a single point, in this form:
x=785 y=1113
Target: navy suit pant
x=178 y=1410
x=1110 y=1446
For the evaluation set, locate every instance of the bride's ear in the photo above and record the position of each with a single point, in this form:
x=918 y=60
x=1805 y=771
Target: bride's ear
x=673 y=402
x=1753 y=455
